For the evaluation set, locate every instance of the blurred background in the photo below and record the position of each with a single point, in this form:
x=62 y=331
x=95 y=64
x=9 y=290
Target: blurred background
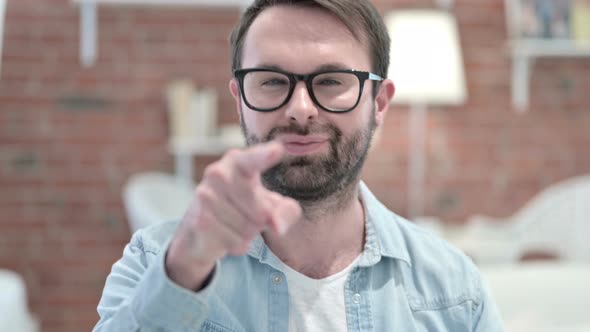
x=85 y=104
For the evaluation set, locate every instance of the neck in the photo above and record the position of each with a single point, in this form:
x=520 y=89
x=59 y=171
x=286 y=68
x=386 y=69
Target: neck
x=328 y=238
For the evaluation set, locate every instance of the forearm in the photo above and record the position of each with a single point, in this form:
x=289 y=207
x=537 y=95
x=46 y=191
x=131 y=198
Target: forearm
x=139 y=295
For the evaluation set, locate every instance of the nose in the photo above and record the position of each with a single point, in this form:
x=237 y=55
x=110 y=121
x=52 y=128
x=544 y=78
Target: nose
x=301 y=107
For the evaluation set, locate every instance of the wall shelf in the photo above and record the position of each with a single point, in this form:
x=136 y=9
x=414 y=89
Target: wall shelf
x=89 y=18
x=550 y=48
x=525 y=50
x=184 y=150
x=204 y=146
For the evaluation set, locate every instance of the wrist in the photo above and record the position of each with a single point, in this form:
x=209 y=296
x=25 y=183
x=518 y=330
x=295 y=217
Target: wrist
x=194 y=276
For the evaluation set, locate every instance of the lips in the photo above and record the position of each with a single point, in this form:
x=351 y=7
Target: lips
x=303 y=145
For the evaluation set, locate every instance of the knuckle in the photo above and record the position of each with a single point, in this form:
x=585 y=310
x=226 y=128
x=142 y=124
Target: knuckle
x=204 y=195
x=232 y=154
x=216 y=173
x=233 y=157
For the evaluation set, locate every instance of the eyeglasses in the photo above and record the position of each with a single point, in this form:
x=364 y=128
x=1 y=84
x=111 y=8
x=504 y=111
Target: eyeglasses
x=338 y=91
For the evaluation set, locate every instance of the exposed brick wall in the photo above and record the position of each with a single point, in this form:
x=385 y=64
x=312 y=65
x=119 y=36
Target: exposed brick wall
x=484 y=157
x=70 y=136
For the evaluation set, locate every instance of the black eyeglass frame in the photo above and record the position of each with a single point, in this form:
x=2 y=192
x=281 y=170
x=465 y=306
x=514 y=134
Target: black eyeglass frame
x=362 y=76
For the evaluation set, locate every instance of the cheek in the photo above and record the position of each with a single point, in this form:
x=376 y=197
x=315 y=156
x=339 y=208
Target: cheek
x=259 y=123
x=353 y=121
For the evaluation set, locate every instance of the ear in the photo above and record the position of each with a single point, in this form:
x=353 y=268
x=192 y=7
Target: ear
x=382 y=100
x=234 y=89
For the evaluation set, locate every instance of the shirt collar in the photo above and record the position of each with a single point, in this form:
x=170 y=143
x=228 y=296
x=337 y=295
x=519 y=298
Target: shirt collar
x=383 y=236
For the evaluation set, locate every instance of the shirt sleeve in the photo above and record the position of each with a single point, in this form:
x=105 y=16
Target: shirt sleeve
x=138 y=295
x=487 y=317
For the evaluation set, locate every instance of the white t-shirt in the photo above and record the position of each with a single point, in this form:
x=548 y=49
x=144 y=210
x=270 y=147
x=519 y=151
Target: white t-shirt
x=317 y=304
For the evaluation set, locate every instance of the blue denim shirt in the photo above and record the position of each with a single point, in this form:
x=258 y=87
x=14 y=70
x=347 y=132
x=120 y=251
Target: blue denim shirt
x=406 y=280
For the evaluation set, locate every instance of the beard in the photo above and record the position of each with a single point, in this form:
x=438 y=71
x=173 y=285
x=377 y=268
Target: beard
x=309 y=179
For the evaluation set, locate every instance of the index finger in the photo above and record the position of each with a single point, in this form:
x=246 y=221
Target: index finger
x=259 y=157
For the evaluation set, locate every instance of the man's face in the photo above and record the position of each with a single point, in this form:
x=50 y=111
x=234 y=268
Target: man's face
x=324 y=151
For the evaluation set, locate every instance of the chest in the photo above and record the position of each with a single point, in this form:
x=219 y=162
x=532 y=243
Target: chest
x=369 y=299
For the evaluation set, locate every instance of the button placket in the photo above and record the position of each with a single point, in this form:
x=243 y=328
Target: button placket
x=356 y=298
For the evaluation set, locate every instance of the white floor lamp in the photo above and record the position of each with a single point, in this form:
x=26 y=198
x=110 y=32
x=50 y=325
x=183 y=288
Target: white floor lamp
x=427 y=68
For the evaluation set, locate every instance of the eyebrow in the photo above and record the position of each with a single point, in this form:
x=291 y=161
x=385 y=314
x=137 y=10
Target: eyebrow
x=327 y=66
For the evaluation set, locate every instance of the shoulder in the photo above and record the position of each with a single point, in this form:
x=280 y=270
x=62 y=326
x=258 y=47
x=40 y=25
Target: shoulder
x=438 y=274
x=434 y=273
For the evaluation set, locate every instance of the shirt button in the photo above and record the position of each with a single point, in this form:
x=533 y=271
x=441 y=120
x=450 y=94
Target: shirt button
x=277 y=279
x=356 y=298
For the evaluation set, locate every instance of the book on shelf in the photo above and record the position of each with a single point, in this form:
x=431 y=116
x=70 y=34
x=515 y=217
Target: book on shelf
x=545 y=18
x=580 y=21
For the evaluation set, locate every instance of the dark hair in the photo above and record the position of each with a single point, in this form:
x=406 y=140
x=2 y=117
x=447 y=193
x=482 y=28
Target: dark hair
x=360 y=16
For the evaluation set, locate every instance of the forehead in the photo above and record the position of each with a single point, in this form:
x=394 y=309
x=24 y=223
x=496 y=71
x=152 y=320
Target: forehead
x=301 y=39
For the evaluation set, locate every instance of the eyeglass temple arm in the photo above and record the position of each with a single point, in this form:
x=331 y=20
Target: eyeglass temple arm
x=375 y=77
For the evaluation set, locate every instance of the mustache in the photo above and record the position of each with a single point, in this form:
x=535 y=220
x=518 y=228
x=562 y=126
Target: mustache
x=295 y=128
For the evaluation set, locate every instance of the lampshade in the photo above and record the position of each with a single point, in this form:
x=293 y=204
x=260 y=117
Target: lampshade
x=426 y=62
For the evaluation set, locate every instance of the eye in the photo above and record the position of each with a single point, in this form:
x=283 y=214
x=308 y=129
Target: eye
x=274 y=81
x=327 y=81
